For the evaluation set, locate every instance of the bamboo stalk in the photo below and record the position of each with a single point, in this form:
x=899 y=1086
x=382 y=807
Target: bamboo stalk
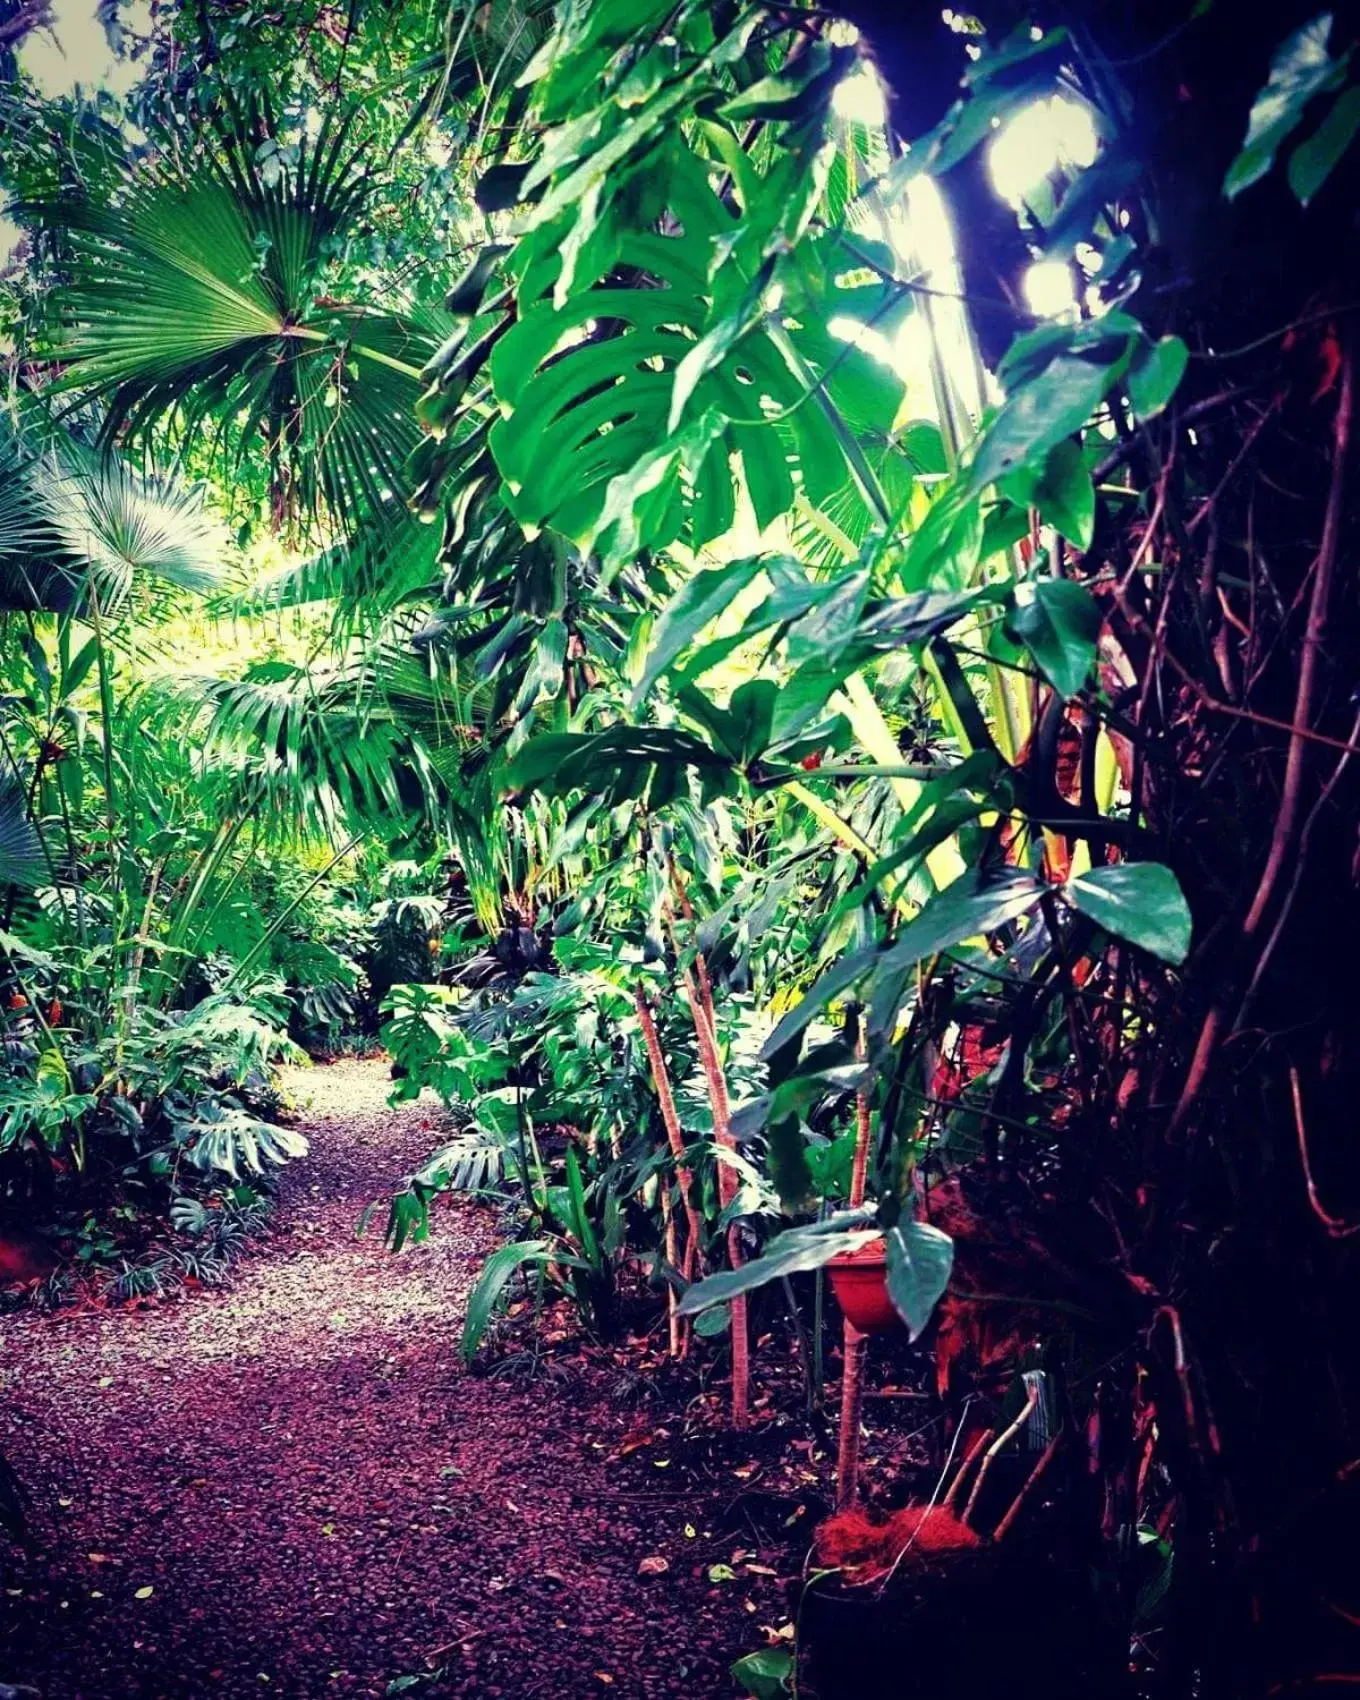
x=947 y=1503
x=675 y=1326
x=709 y=1061
x=1017 y=1504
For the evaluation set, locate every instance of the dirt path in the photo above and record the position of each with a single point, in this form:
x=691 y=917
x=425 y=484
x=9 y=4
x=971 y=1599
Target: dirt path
x=321 y=1500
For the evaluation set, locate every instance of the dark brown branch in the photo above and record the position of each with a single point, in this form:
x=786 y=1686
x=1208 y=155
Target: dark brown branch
x=1318 y=609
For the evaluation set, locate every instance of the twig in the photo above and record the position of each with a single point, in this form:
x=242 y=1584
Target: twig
x=1336 y=1226
x=671 y=1120
x=1318 y=609
x=1117 y=456
x=1017 y=1504
x=948 y=1501
x=1002 y=1440
x=1182 y=1367
x=1300 y=867
x=854 y=1344
x=1206 y=507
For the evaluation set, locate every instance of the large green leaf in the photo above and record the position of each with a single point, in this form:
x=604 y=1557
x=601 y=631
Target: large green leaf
x=765 y=1675
x=1301 y=69
x=697 y=603
x=789 y=1253
x=1155 y=375
x=1062 y=490
x=198 y=296
x=920 y=1260
x=1312 y=162
x=21 y=859
x=1138 y=901
x=1039 y=413
x=491 y=1283
x=964 y=910
x=648 y=763
x=1059 y=627
x=586 y=384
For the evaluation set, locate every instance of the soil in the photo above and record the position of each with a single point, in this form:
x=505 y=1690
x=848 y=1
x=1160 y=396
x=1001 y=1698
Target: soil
x=294 y=1488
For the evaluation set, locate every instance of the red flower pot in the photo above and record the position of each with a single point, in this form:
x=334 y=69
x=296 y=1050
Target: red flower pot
x=859 y=1280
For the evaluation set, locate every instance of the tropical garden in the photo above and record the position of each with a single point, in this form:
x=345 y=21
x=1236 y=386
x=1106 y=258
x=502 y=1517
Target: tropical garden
x=678 y=863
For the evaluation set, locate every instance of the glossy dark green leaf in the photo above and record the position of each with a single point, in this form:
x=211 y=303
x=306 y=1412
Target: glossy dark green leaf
x=920 y=1261
x=1301 y=69
x=1043 y=410
x=717 y=343
x=501 y=187
x=491 y=1283
x=1155 y=376
x=710 y=1323
x=465 y=297
x=1138 y=901
x=697 y=603
x=1065 y=495
x=962 y=911
x=765 y=1675
x=1059 y=627
x=946 y=548
x=1312 y=162
x=789 y=1253
x=789 y=1170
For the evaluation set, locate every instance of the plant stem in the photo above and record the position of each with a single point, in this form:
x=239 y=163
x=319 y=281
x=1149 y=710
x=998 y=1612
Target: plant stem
x=854 y=1344
x=285 y=915
x=661 y=1080
x=699 y=992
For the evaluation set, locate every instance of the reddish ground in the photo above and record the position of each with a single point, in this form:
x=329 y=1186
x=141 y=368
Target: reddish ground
x=321 y=1500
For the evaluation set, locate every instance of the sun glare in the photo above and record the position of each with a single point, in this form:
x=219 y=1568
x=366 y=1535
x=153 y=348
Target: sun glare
x=73 y=52
x=1046 y=135
x=859 y=98
x=1049 y=290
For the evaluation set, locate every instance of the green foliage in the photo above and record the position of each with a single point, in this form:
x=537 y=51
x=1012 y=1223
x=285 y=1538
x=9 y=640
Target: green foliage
x=765 y=1675
x=1301 y=70
x=201 y=292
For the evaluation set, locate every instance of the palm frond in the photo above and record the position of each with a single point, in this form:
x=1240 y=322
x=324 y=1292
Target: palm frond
x=21 y=856
x=308 y=749
x=198 y=307
x=119 y=528
x=71 y=518
x=371 y=573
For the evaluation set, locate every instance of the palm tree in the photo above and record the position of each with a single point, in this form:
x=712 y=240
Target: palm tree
x=197 y=310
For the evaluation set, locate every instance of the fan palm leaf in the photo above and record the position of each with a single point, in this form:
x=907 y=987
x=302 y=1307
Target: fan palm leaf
x=320 y=750
x=198 y=300
x=71 y=520
x=21 y=856
x=119 y=528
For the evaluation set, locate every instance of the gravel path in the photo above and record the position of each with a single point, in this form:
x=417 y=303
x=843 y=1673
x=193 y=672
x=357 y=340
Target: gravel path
x=318 y=1497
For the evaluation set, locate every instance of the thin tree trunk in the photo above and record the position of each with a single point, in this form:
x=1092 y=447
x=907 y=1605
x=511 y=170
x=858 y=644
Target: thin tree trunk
x=674 y=1322
x=699 y=991
x=662 y=1081
x=854 y=1344
x=727 y=1188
